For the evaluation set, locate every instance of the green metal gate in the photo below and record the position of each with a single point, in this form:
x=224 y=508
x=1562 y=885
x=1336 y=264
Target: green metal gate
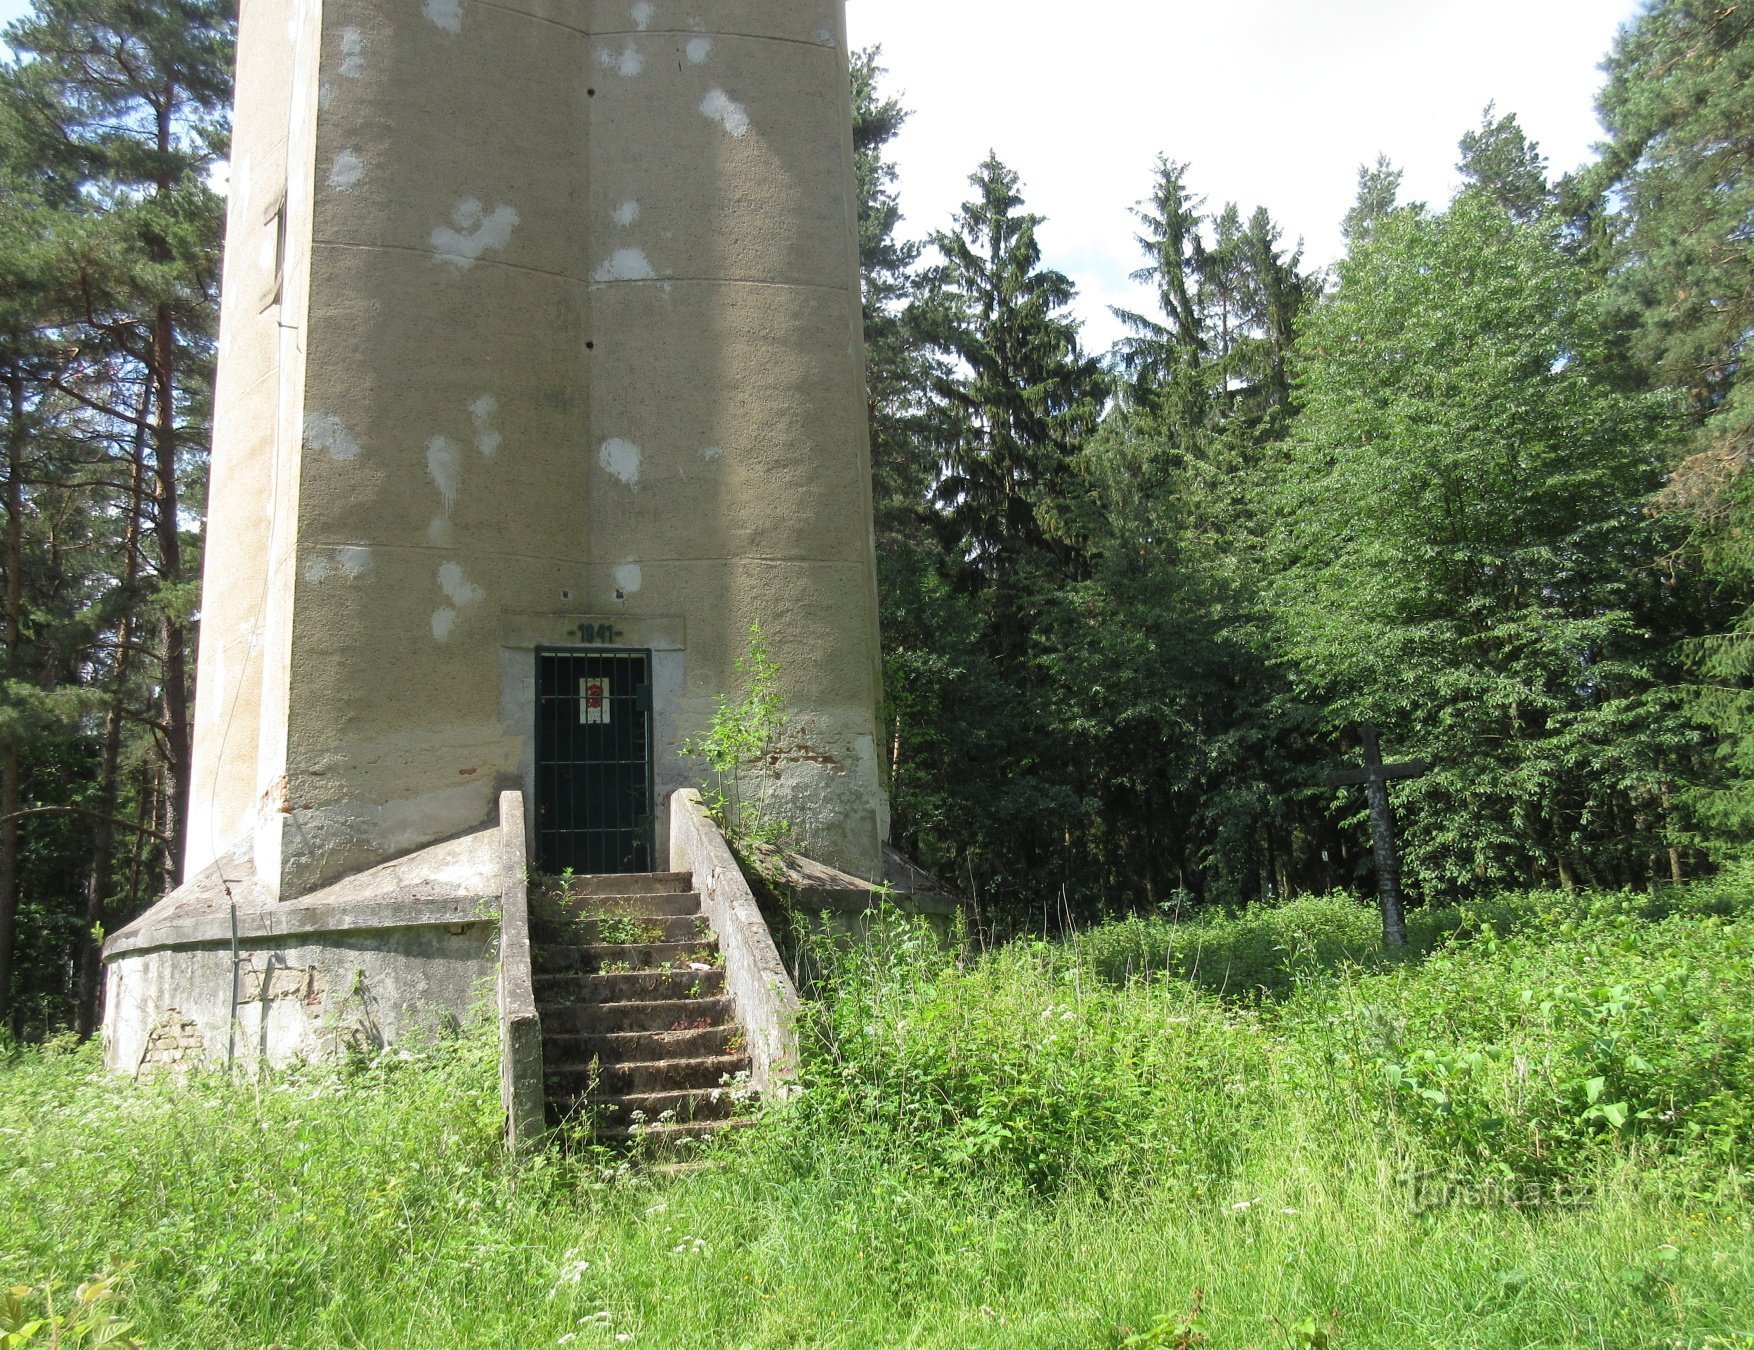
x=593 y=761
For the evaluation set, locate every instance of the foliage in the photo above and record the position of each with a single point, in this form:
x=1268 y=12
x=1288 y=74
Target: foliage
x=743 y=737
x=946 y=1179
x=43 y=1314
x=1465 y=562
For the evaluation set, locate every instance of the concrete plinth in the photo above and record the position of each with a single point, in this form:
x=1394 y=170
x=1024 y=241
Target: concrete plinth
x=399 y=953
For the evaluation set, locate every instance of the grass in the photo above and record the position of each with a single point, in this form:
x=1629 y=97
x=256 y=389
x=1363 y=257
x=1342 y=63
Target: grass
x=1048 y=1145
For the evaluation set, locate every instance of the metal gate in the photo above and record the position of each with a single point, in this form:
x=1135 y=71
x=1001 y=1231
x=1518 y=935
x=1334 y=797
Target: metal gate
x=593 y=761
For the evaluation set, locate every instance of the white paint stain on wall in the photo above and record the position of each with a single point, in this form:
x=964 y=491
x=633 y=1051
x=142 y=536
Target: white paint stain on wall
x=626 y=214
x=352 y=53
x=642 y=14
x=350 y=560
x=487 y=440
x=720 y=107
x=346 y=171
x=472 y=232
x=698 y=49
x=628 y=578
x=444 y=465
x=710 y=452
x=354 y=560
x=621 y=458
x=458 y=589
x=326 y=432
x=440 y=533
x=625 y=264
x=447 y=14
x=627 y=65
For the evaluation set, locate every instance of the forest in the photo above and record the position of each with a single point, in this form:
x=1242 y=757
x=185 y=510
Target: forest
x=1480 y=484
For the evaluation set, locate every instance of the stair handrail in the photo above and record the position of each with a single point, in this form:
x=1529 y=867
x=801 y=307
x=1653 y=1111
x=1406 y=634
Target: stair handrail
x=761 y=990
x=520 y=1025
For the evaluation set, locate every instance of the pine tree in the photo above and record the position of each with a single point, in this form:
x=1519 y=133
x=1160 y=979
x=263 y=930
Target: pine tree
x=1674 y=195
x=114 y=113
x=1505 y=164
x=1023 y=398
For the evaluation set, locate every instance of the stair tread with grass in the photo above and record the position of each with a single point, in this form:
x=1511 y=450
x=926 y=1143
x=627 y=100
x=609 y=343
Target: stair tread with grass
x=640 y=1042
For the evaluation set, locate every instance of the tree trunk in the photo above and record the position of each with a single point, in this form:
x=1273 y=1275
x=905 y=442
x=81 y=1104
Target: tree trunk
x=10 y=786
x=98 y=886
x=174 y=632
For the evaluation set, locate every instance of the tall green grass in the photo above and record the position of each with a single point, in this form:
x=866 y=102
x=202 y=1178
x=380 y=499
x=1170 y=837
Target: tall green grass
x=1060 y=1144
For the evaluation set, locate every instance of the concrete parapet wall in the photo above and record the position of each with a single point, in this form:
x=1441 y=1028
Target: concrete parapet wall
x=765 y=997
x=520 y=1026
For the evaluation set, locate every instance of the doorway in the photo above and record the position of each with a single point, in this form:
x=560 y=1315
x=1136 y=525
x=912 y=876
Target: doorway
x=594 y=808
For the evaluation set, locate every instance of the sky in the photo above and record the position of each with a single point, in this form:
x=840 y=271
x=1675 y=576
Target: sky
x=1272 y=103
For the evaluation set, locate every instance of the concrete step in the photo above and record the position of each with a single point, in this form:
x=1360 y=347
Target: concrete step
x=568 y=1003
x=668 y=1140
x=674 y=1139
x=624 y=930
x=638 y=906
x=604 y=1019
x=625 y=956
x=684 y=1038
x=629 y=883
x=658 y=1108
x=568 y=1080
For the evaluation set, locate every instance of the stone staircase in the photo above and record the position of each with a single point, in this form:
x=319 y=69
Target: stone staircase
x=640 y=1043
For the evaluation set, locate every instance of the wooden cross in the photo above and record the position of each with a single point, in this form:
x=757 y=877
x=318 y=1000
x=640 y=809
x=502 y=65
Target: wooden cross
x=1376 y=776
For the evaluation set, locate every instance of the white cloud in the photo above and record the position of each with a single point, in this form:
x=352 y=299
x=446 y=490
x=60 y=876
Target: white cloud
x=1274 y=103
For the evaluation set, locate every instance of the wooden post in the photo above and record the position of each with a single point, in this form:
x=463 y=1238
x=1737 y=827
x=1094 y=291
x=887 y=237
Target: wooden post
x=1375 y=776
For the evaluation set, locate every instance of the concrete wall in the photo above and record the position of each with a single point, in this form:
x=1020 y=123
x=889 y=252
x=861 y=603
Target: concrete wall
x=568 y=332
x=303 y=1000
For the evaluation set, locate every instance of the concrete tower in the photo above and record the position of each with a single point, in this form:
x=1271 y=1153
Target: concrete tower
x=541 y=329
x=540 y=382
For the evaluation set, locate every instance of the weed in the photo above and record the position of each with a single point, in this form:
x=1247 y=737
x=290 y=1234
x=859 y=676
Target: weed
x=1173 y=1331
x=743 y=738
x=45 y=1314
x=627 y=930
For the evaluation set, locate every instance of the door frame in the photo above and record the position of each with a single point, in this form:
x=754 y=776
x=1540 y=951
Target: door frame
x=649 y=829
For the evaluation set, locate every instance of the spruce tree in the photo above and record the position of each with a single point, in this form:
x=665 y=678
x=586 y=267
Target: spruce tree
x=1023 y=396
x=1378 y=196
